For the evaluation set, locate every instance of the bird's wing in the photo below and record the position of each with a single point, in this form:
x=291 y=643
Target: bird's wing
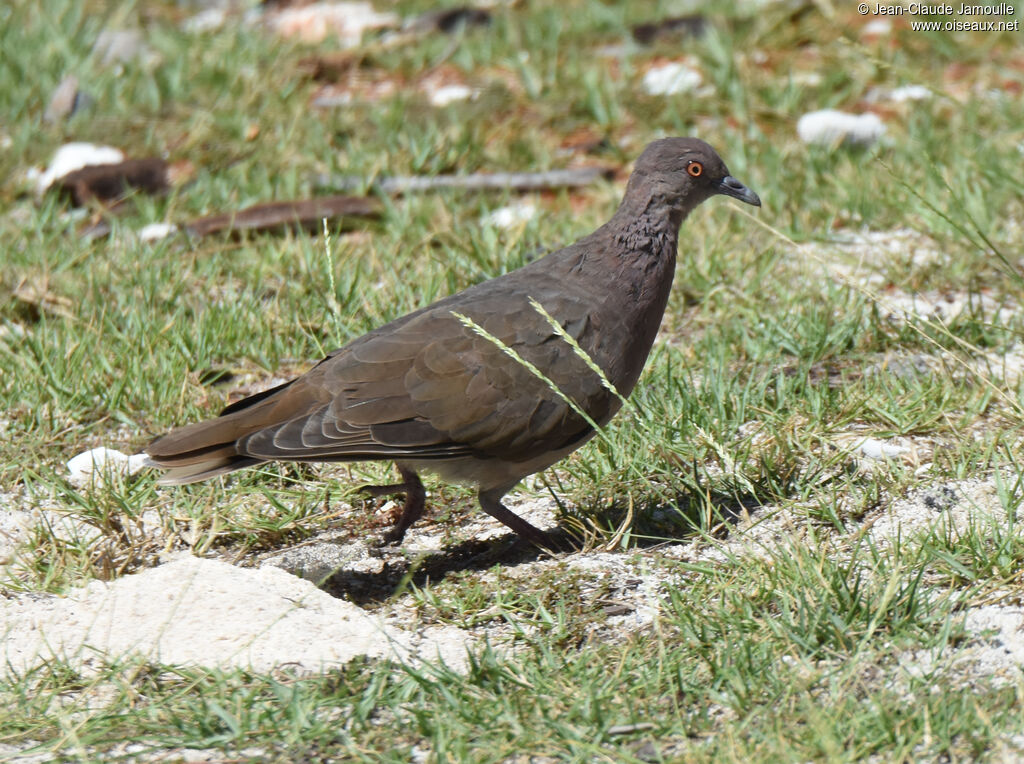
x=431 y=387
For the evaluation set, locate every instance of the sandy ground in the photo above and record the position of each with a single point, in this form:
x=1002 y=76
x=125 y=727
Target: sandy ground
x=204 y=612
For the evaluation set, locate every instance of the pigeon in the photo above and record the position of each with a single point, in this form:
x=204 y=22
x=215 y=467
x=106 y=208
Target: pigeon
x=483 y=387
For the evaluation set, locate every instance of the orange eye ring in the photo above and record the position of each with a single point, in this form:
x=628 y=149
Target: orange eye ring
x=695 y=169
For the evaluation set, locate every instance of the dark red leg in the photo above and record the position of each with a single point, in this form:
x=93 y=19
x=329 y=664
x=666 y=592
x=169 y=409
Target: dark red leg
x=490 y=502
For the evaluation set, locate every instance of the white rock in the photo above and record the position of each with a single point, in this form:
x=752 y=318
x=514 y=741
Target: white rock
x=450 y=94
x=315 y=22
x=203 y=612
x=830 y=127
x=94 y=464
x=511 y=216
x=71 y=157
x=157 y=231
x=671 y=79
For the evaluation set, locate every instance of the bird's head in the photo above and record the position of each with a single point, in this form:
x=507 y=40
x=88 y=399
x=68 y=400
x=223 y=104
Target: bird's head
x=683 y=172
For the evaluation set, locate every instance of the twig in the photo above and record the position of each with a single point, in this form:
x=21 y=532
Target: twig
x=305 y=213
x=512 y=181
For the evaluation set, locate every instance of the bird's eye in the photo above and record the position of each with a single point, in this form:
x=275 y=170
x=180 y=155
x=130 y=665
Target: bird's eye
x=695 y=169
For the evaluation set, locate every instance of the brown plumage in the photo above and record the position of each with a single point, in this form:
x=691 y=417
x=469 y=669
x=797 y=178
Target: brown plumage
x=429 y=392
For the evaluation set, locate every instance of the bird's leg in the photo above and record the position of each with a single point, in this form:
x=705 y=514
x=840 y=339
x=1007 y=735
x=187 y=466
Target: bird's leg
x=490 y=502
x=415 y=501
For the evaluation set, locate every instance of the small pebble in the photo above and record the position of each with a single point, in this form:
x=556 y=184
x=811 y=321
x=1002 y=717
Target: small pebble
x=65 y=101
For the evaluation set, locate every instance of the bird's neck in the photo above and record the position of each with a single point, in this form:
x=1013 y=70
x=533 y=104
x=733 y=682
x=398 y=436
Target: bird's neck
x=643 y=263
x=646 y=225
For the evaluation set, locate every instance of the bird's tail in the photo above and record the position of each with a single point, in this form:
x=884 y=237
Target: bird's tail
x=197 y=452
x=204 y=450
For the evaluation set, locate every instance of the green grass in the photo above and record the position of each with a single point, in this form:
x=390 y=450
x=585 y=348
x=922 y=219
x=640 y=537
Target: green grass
x=762 y=369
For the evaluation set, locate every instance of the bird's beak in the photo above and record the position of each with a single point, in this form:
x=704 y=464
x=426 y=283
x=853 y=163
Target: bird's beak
x=732 y=187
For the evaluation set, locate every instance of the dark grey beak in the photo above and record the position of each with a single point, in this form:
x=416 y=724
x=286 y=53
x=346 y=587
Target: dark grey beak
x=732 y=187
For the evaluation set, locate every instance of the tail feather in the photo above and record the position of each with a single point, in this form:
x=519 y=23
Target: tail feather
x=161 y=453
x=203 y=450
x=199 y=471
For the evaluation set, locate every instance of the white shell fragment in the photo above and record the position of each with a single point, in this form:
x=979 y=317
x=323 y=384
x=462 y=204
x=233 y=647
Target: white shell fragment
x=98 y=462
x=830 y=127
x=879 y=449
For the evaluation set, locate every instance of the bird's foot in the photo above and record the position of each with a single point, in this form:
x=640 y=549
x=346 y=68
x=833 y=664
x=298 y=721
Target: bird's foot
x=415 y=501
x=391 y=536
x=490 y=502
